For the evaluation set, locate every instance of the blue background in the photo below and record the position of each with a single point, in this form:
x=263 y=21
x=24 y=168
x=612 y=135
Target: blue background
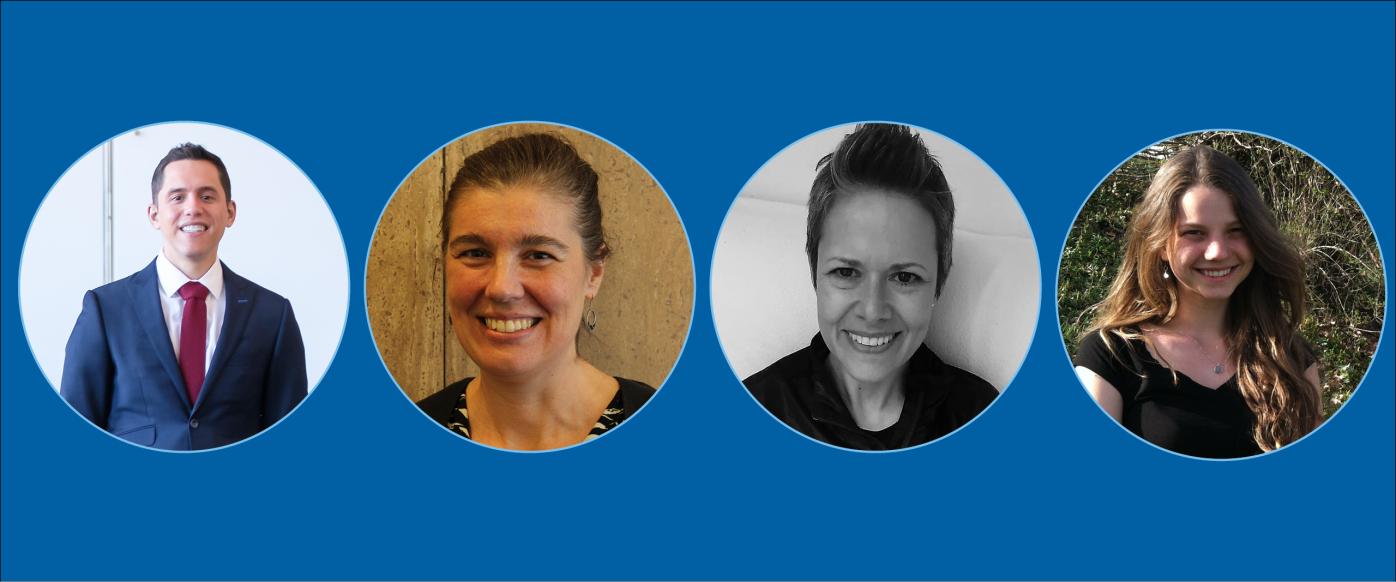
x=702 y=485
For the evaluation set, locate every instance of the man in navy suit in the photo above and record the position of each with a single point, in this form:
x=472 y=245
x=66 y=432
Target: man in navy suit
x=185 y=354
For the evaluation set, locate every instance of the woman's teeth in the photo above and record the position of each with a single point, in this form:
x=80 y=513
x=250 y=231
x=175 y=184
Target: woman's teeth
x=1216 y=272
x=509 y=325
x=871 y=342
x=194 y=228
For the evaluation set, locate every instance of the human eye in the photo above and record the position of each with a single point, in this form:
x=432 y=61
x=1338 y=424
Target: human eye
x=539 y=257
x=906 y=278
x=844 y=273
x=1237 y=231
x=471 y=253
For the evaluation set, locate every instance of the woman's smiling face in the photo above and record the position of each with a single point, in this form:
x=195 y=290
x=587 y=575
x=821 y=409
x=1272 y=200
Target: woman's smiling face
x=1210 y=254
x=517 y=279
x=875 y=282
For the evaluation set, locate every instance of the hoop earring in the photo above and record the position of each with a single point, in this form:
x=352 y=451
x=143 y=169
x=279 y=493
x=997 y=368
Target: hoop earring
x=589 y=318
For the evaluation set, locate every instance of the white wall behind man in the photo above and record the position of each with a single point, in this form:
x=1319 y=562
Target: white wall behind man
x=284 y=238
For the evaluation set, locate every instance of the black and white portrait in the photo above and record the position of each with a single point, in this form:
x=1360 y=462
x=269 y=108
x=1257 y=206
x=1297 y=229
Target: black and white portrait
x=875 y=286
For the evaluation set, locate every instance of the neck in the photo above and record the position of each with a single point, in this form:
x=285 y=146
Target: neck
x=1199 y=317
x=870 y=402
x=539 y=410
x=192 y=268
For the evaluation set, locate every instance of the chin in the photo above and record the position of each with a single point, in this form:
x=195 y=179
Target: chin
x=506 y=368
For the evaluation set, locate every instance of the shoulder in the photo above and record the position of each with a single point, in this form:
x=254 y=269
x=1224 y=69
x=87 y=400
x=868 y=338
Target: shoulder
x=961 y=389
x=119 y=289
x=237 y=285
x=634 y=393
x=1104 y=350
x=790 y=370
x=438 y=406
x=966 y=388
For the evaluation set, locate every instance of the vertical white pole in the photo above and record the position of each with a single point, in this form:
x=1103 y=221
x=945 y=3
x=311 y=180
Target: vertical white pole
x=108 y=203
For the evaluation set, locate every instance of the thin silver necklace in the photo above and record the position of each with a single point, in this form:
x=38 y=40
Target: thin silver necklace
x=1218 y=368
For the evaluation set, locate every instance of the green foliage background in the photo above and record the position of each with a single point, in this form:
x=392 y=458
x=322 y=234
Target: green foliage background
x=1345 y=278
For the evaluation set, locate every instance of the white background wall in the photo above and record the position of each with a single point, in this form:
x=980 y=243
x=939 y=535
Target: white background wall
x=285 y=238
x=763 y=301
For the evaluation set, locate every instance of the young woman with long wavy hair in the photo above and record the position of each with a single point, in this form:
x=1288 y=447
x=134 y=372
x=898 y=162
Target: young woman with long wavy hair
x=1196 y=348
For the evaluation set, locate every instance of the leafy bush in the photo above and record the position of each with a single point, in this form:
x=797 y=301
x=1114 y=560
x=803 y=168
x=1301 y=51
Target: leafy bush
x=1345 y=278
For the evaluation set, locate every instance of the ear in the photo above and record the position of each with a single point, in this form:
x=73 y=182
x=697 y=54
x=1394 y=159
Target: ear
x=232 y=212
x=596 y=271
x=150 y=214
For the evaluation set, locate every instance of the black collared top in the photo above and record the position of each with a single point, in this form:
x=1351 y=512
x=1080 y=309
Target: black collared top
x=799 y=389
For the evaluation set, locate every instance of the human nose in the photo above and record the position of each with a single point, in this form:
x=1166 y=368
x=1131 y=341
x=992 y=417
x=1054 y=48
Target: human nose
x=1216 y=249
x=873 y=304
x=504 y=284
x=193 y=205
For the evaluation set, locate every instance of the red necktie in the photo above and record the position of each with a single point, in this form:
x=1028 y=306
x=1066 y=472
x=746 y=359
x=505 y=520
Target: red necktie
x=193 y=329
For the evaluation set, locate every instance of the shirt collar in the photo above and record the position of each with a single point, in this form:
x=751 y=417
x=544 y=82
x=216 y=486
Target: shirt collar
x=924 y=383
x=171 y=278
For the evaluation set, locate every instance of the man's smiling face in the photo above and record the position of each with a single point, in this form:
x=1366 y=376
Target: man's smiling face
x=192 y=210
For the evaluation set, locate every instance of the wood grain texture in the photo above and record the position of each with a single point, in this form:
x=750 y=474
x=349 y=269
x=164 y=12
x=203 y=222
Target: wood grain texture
x=646 y=299
x=403 y=282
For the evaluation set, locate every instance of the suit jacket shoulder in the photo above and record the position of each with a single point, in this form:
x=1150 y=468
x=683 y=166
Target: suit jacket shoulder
x=121 y=373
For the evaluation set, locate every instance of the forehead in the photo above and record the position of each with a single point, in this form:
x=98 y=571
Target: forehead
x=876 y=226
x=191 y=175
x=512 y=212
x=1203 y=204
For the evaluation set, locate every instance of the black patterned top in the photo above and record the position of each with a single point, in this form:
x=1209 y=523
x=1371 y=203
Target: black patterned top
x=459 y=421
x=448 y=407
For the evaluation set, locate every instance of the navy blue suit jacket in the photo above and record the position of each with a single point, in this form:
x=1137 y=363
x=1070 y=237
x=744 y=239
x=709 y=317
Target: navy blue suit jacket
x=121 y=373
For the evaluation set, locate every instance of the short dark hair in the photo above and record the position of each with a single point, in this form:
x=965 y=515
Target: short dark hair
x=888 y=157
x=542 y=160
x=189 y=151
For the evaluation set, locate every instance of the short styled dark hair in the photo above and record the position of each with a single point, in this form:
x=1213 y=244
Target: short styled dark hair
x=189 y=151
x=541 y=160
x=888 y=157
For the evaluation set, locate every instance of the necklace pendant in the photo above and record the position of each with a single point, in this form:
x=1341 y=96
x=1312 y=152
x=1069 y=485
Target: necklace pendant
x=1218 y=369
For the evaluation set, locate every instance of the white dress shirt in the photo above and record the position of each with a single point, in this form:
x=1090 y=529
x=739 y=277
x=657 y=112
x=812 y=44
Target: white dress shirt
x=171 y=279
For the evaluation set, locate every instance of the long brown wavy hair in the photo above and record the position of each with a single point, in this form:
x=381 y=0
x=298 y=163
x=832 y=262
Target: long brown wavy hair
x=1264 y=313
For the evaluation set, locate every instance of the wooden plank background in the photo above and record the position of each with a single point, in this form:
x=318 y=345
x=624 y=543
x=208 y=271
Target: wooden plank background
x=643 y=307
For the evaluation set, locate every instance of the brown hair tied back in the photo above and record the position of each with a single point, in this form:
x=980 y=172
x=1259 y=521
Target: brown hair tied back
x=539 y=160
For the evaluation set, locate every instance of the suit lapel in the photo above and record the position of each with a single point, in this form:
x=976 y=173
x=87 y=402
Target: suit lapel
x=238 y=295
x=144 y=292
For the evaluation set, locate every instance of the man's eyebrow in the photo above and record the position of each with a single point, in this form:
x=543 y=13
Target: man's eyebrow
x=181 y=189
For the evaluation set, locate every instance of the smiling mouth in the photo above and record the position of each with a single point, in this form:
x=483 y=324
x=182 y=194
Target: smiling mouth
x=510 y=325
x=871 y=343
x=193 y=228
x=1217 y=273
